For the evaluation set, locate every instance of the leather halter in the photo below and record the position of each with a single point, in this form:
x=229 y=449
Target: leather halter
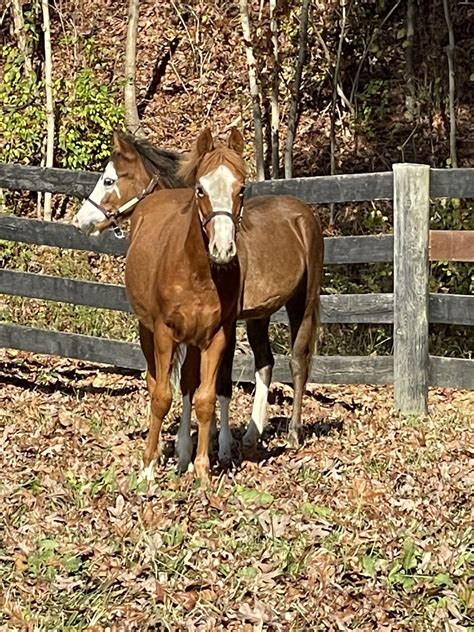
x=205 y=220
x=236 y=220
x=117 y=214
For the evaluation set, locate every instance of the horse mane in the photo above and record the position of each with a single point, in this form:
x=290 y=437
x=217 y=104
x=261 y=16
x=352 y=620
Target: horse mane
x=218 y=156
x=165 y=163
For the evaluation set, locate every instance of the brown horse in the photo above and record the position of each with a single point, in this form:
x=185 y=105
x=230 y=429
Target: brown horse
x=183 y=280
x=280 y=248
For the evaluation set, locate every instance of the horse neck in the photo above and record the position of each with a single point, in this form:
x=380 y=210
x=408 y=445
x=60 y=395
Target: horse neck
x=194 y=244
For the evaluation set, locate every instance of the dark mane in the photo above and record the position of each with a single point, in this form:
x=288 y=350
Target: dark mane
x=218 y=156
x=163 y=162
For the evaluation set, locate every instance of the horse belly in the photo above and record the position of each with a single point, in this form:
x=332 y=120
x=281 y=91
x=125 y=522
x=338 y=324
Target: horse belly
x=271 y=279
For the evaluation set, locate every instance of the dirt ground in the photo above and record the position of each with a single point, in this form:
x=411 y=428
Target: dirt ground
x=368 y=526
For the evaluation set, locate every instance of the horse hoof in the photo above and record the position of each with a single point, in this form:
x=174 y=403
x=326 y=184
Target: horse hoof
x=184 y=452
x=225 y=459
x=203 y=473
x=147 y=473
x=225 y=452
x=251 y=437
x=183 y=466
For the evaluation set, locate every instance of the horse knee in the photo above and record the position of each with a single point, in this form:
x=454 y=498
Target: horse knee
x=297 y=365
x=161 y=401
x=204 y=404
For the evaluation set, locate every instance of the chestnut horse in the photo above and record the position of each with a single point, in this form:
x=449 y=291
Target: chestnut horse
x=183 y=280
x=280 y=247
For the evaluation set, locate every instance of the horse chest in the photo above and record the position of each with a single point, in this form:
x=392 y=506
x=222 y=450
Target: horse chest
x=193 y=316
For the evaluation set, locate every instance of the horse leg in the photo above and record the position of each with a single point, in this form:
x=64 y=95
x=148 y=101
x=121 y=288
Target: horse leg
x=189 y=384
x=303 y=329
x=224 y=394
x=148 y=349
x=161 y=397
x=205 y=400
x=257 y=332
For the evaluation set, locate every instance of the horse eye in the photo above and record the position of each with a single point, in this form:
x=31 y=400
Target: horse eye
x=108 y=182
x=242 y=192
x=200 y=191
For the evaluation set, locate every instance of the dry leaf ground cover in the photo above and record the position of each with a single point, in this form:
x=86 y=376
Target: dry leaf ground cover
x=367 y=527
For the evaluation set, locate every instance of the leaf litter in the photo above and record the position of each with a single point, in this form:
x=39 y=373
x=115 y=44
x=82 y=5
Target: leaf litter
x=368 y=526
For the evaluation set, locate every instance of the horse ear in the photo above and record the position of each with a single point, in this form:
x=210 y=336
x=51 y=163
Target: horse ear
x=204 y=142
x=122 y=146
x=236 y=141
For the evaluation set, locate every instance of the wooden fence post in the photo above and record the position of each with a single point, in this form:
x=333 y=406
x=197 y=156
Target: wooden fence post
x=410 y=287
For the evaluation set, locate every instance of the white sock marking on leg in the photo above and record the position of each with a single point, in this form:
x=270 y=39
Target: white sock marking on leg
x=259 y=412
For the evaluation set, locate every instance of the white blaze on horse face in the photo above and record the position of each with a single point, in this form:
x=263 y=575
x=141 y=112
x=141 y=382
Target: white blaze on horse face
x=88 y=215
x=219 y=187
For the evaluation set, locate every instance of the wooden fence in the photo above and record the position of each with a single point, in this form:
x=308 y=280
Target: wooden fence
x=410 y=308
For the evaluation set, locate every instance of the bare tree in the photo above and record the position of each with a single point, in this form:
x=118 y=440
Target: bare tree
x=334 y=101
x=375 y=31
x=20 y=34
x=452 y=86
x=293 y=115
x=48 y=85
x=274 y=102
x=254 y=90
x=132 y=120
x=410 y=97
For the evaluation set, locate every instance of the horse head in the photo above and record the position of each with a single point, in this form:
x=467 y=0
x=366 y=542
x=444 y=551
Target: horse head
x=134 y=169
x=218 y=176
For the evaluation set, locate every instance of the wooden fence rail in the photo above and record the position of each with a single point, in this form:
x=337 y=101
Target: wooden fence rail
x=454 y=309
x=410 y=307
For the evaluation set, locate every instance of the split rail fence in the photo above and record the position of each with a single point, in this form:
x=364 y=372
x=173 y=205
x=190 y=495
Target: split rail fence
x=410 y=308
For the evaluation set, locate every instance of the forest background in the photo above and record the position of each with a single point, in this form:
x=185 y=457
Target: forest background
x=382 y=82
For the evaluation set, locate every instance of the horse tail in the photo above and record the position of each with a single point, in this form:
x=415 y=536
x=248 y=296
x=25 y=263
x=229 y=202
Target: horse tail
x=178 y=361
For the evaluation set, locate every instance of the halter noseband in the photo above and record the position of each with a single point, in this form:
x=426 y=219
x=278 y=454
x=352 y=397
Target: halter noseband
x=205 y=220
x=112 y=218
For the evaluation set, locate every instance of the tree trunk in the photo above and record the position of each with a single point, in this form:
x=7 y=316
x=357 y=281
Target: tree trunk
x=410 y=97
x=20 y=33
x=132 y=120
x=334 y=103
x=293 y=116
x=254 y=90
x=275 y=118
x=452 y=87
x=48 y=85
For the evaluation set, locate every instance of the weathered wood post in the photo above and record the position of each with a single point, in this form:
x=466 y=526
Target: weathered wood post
x=411 y=290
